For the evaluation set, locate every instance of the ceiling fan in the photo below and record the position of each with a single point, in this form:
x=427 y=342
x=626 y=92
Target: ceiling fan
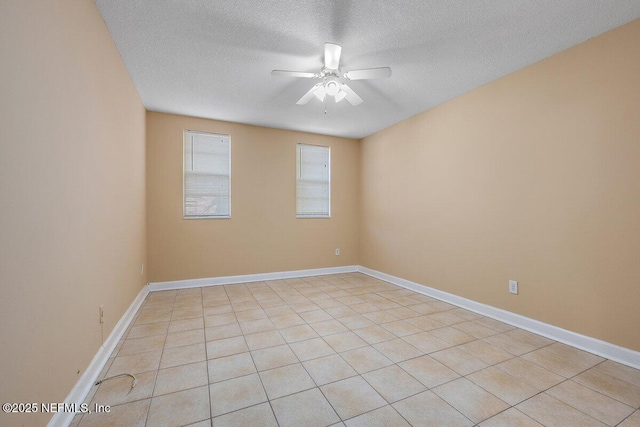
x=333 y=81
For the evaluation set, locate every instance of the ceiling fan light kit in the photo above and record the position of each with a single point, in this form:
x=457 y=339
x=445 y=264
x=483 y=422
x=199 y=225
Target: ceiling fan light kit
x=333 y=80
x=332 y=86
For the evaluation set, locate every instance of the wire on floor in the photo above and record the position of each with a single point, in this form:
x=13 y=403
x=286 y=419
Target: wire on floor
x=133 y=383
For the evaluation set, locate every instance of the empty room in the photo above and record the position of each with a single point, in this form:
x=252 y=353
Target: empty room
x=320 y=213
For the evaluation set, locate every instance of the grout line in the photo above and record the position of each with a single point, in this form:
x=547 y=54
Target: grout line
x=159 y=363
x=627 y=417
x=257 y=373
x=206 y=358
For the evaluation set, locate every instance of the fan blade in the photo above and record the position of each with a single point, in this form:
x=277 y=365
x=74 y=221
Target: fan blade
x=369 y=73
x=307 y=96
x=320 y=92
x=351 y=96
x=293 y=74
x=332 y=55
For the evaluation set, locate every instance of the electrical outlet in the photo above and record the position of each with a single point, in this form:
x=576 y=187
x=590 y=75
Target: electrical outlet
x=338 y=251
x=101 y=312
x=513 y=286
x=142 y=269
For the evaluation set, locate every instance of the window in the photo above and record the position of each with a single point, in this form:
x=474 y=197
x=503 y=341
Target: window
x=313 y=181
x=207 y=175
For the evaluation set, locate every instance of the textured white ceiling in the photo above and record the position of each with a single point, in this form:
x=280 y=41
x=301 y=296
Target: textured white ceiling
x=213 y=58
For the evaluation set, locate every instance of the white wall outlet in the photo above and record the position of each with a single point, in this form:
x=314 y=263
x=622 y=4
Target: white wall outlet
x=338 y=251
x=141 y=269
x=513 y=286
x=101 y=312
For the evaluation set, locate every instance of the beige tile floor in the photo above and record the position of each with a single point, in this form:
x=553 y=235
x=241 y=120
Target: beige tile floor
x=348 y=350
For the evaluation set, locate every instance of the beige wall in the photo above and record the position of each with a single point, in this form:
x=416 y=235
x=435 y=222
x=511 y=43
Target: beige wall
x=72 y=185
x=263 y=234
x=534 y=177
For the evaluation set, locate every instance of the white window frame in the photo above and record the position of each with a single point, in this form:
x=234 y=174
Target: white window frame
x=299 y=214
x=187 y=138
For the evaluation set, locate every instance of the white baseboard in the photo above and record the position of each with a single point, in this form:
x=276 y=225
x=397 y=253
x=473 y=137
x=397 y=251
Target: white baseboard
x=592 y=345
x=229 y=280
x=88 y=378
